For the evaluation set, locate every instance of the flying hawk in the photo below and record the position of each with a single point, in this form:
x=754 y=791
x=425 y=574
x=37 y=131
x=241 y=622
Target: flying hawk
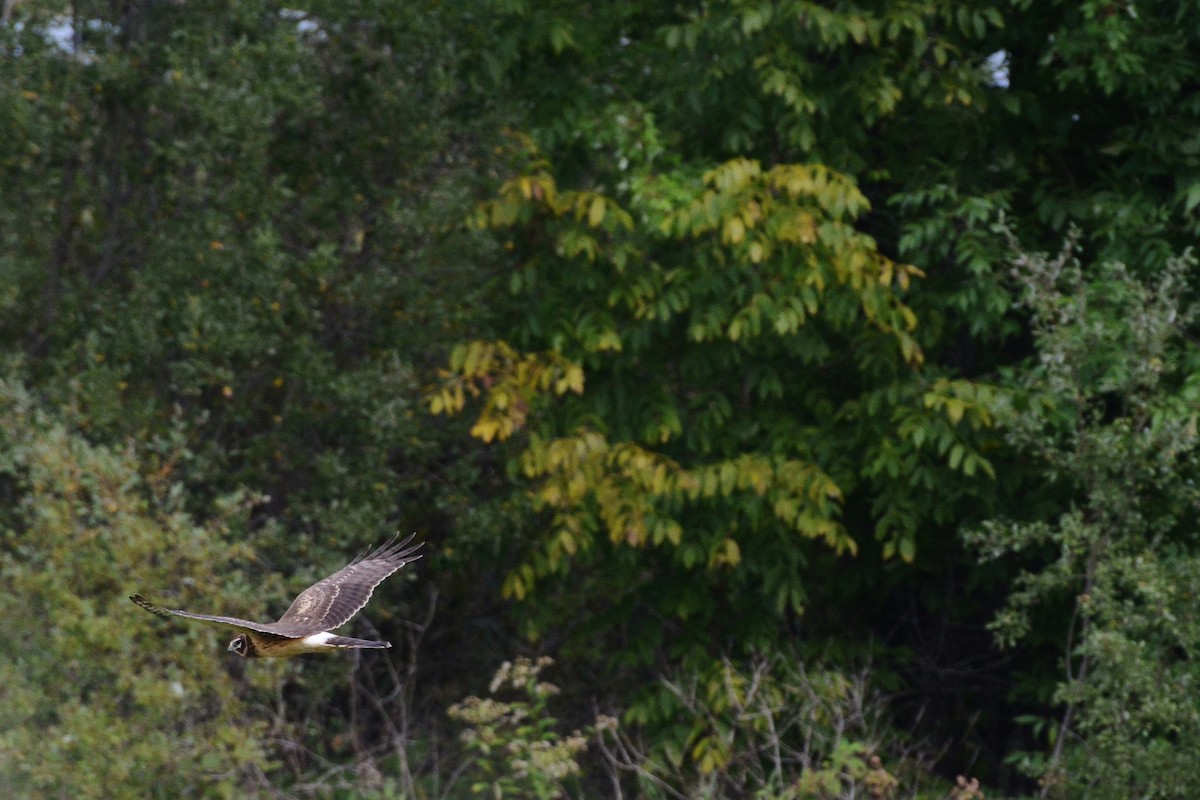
x=306 y=626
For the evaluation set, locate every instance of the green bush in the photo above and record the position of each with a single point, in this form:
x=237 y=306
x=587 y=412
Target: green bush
x=515 y=747
x=102 y=700
x=770 y=726
x=1107 y=412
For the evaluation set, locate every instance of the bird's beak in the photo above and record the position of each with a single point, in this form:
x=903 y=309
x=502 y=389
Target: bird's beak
x=232 y=648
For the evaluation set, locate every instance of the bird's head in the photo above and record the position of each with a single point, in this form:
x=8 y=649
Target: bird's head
x=241 y=646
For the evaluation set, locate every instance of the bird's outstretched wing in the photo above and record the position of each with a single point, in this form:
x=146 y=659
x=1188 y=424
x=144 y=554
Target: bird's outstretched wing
x=331 y=602
x=243 y=625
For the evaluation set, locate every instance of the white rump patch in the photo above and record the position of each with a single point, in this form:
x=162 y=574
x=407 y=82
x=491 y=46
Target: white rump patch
x=318 y=639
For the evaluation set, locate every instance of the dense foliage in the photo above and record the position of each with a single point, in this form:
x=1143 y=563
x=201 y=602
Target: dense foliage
x=710 y=347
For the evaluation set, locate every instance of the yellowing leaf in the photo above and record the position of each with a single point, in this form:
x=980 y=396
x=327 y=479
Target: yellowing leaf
x=514 y=588
x=955 y=409
x=609 y=340
x=596 y=211
x=575 y=379
x=726 y=553
x=485 y=429
x=735 y=231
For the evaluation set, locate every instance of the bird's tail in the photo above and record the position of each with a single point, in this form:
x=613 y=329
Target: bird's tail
x=347 y=641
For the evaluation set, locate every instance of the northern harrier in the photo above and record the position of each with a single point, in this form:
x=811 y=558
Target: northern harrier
x=306 y=626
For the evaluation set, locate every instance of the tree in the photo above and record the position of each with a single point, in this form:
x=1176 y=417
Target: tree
x=237 y=213
x=725 y=337
x=1107 y=412
x=224 y=226
x=733 y=356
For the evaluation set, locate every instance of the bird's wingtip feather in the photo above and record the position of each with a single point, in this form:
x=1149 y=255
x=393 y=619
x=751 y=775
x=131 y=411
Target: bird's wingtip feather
x=398 y=549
